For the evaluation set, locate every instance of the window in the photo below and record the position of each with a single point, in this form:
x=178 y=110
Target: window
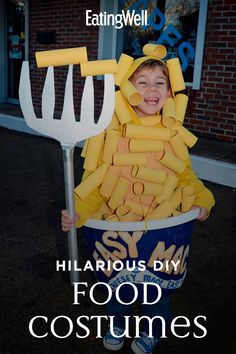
x=177 y=24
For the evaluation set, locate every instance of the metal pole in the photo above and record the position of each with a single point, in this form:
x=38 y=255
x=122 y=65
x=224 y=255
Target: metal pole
x=68 y=153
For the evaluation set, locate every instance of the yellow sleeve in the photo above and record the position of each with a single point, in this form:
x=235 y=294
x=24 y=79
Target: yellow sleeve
x=85 y=208
x=204 y=197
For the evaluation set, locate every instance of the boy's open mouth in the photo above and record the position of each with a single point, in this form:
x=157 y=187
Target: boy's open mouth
x=152 y=100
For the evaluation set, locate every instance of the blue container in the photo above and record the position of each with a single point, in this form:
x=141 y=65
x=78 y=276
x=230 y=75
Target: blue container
x=140 y=252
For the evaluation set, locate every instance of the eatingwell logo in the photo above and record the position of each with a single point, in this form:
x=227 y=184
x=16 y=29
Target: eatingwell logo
x=125 y=18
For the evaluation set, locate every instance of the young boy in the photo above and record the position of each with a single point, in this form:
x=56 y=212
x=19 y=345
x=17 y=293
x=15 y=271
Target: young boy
x=151 y=80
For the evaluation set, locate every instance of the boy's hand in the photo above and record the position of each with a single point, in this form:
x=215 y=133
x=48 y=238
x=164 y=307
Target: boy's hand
x=66 y=222
x=203 y=215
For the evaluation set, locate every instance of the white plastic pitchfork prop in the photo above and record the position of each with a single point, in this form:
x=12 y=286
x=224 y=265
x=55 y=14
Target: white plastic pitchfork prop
x=67 y=130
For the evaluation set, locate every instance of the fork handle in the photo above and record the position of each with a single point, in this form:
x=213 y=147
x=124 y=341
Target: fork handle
x=68 y=154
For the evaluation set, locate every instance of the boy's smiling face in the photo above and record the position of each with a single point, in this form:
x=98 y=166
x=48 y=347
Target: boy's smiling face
x=152 y=84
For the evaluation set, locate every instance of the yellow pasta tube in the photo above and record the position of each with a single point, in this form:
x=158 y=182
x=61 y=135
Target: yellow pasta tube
x=121 y=109
x=175 y=75
x=83 y=152
x=100 y=215
x=98 y=67
x=92 y=181
x=95 y=145
x=172 y=162
x=118 y=195
x=147 y=188
x=188 y=138
x=178 y=146
x=155 y=50
x=61 y=57
x=137 y=208
x=129 y=159
x=176 y=212
x=109 y=182
x=175 y=199
x=112 y=218
x=131 y=93
x=168 y=114
x=163 y=210
x=104 y=208
x=142 y=145
x=125 y=213
x=142 y=132
x=168 y=189
x=149 y=174
x=124 y=63
x=188 y=197
x=111 y=145
x=181 y=102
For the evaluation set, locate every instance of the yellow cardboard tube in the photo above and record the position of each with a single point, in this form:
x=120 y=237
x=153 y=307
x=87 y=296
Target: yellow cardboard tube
x=125 y=213
x=147 y=188
x=131 y=93
x=124 y=64
x=175 y=199
x=83 y=152
x=92 y=181
x=118 y=195
x=98 y=67
x=188 y=138
x=138 y=188
x=155 y=50
x=175 y=75
x=188 y=197
x=121 y=110
x=109 y=182
x=176 y=212
x=95 y=145
x=142 y=145
x=163 y=210
x=142 y=132
x=111 y=145
x=172 y=162
x=105 y=208
x=181 y=102
x=178 y=146
x=168 y=114
x=168 y=189
x=137 y=208
x=129 y=159
x=112 y=218
x=100 y=215
x=61 y=57
x=149 y=174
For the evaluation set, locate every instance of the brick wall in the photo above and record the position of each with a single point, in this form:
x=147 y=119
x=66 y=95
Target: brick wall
x=211 y=111
x=212 y=108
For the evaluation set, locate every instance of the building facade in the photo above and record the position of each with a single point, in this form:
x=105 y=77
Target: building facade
x=201 y=33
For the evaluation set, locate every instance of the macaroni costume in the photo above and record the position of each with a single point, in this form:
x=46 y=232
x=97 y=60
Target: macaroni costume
x=139 y=168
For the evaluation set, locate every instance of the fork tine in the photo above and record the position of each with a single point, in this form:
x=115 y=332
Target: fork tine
x=25 y=96
x=87 y=103
x=108 y=103
x=68 y=105
x=48 y=96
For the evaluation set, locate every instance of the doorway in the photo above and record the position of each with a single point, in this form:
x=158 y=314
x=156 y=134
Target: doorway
x=15 y=33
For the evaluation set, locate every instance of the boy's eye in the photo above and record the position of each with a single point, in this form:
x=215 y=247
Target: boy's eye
x=142 y=82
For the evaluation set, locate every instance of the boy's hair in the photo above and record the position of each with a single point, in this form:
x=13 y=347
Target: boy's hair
x=152 y=64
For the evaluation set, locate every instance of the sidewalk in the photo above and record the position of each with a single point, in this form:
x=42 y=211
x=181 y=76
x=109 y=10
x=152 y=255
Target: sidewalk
x=32 y=195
